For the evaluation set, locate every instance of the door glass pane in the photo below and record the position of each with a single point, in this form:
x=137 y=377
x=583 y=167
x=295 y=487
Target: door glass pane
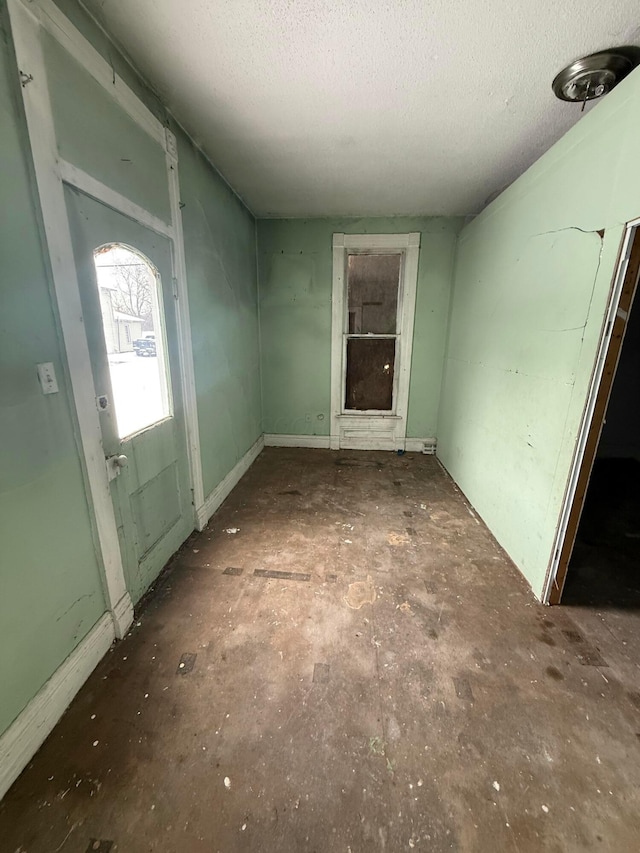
x=369 y=381
x=129 y=290
x=372 y=283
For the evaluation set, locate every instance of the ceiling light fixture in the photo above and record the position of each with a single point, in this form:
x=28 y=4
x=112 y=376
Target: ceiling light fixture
x=593 y=76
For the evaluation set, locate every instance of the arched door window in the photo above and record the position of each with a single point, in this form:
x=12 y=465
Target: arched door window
x=134 y=333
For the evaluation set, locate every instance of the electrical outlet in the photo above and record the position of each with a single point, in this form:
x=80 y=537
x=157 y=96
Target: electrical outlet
x=47 y=377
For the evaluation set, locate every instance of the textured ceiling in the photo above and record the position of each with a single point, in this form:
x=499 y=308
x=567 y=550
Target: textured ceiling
x=366 y=107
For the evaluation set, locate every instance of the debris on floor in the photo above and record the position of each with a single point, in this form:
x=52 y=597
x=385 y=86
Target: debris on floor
x=376 y=697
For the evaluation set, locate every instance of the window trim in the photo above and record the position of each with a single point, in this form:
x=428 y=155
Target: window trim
x=370 y=422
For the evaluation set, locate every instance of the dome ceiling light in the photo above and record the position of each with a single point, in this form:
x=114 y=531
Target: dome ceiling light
x=593 y=76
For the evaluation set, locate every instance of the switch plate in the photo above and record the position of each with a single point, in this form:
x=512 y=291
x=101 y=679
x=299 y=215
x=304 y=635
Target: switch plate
x=47 y=377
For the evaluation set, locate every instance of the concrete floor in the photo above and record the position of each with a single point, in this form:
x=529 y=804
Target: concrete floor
x=400 y=689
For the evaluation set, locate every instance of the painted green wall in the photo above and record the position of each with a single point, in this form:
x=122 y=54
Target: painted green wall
x=51 y=588
x=95 y=134
x=51 y=591
x=531 y=283
x=295 y=275
x=220 y=245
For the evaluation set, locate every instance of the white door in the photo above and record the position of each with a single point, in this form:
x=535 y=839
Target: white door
x=125 y=271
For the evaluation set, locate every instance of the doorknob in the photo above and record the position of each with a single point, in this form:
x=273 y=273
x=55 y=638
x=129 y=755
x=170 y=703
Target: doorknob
x=115 y=465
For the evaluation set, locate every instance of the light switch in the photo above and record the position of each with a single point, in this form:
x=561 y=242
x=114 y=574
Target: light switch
x=47 y=377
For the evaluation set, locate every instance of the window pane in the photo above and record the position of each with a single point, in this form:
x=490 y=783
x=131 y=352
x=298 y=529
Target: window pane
x=372 y=282
x=369 y=382
x=131 y=317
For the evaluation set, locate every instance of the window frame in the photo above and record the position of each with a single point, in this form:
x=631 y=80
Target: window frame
x=370 y=421
x=373 y=335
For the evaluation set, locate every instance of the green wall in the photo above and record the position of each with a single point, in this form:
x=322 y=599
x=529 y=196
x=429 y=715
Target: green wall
x=220 y=245
x=51 y=578
x=94 y=133
x=295 y=275
x=531 y=283
x=51 y=591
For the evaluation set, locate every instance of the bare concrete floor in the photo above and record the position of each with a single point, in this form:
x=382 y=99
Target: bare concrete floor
x=400 y=689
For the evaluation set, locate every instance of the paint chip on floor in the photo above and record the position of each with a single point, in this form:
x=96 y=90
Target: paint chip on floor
x=397 y=539
x=232 y=530
x=187 y=662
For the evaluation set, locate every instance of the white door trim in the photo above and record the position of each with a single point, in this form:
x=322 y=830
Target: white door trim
x=56 y=23
x=91 y=186
x=373 y=431
x=187 y=369
x=26 y=20
x=56 y=226
x=49 y=16
x=587 y=417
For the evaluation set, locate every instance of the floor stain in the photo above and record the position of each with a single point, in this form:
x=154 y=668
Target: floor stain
x=554 y=673
x=360 y=593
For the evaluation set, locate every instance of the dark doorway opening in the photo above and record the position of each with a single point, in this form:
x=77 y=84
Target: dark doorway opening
x=604 y=569
x=605 y=565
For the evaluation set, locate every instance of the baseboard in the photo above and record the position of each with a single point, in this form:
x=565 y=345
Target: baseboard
x=224 y=487
x=383 y=444
x=420 y=445
x=413 y=445
x=30 y=729
x=320 y=441
x=122 y=615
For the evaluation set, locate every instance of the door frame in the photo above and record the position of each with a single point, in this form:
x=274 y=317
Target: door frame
x=623 y=289
x=28 y=18
x=373 y=430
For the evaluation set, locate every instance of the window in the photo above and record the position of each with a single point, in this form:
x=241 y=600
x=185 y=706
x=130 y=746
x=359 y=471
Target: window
x=373 y=281
x=133 y=321
x=373 y=299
